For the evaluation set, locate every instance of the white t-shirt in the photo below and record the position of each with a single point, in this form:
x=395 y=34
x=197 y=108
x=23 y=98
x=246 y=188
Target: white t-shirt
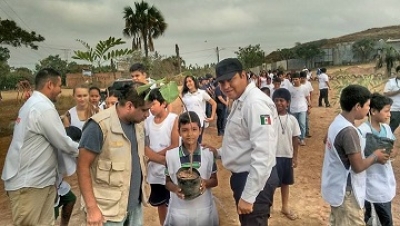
x=287 y=129
x=393 y=84
x=263 y=82
x=308 y=85
x=197 y=102
x=286 y=83
x=159 y=136
x=322 y=79
x=298 y=102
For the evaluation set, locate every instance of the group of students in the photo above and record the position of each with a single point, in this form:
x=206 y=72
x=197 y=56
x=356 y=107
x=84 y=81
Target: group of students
x=119 y=155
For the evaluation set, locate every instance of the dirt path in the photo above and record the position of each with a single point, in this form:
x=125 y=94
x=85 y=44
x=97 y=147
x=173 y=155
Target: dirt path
x=305 y=197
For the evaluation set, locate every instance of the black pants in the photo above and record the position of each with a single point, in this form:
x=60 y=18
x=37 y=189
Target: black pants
x=221 y=119
x=263 y=203
x=383 y=210
x=323 y=94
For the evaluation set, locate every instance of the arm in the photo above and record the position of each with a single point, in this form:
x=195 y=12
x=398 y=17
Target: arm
x=209 y=183
x=213 y=109
x=66 y=120
x=348 y=140
x=86 y=158
x=225 y=102
x=263 y=140
x=295 y=144
x=358 y=164
x=170 y=186
x=391 y=93
x=53 y=129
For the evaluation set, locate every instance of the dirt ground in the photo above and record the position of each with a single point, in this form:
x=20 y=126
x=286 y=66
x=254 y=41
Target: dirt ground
x=305 y=196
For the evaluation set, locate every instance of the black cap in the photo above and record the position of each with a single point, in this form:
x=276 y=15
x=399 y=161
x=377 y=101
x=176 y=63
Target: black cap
x=74 y=132
x=209 y=76
x=227 y=68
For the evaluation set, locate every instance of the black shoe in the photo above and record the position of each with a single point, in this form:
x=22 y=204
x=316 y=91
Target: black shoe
x=320 y=106
x=308 y=136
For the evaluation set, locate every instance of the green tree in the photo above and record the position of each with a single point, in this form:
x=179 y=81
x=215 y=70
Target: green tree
x=102 y=52
x=308 y=52
x=363 y=48
x=388 y=55
x=143 y=25
x=286 y=54
x=251 y=56
x=56 y=63
x=11 y=34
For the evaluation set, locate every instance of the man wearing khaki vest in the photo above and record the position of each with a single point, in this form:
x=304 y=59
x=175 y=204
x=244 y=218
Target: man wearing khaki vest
x=111 y=163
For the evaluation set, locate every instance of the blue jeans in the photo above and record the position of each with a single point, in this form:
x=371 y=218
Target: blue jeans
x=134 y=218
x=301 y=119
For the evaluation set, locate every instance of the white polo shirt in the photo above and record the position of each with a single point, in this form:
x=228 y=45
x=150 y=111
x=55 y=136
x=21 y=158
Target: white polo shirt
x=393 y=84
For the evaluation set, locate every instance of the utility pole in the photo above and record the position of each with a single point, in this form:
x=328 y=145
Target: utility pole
x=217 y=50
x=179 y=58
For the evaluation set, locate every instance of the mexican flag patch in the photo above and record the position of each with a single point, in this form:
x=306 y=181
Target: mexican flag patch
x=265 y=119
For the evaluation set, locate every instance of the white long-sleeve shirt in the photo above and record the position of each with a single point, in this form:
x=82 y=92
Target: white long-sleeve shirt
x=32 y=157
x=250 y=140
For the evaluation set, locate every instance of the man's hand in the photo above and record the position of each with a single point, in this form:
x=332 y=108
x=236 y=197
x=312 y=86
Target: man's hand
x=209 y=119
x=211 y=148
x=94 y=217
x=244 y=207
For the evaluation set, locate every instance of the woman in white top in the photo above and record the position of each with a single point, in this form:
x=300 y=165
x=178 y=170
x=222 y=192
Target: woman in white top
x=195 y=100
x=78 y=115
x=263 y=80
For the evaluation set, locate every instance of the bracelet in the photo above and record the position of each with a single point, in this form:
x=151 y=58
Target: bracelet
x=375 y=157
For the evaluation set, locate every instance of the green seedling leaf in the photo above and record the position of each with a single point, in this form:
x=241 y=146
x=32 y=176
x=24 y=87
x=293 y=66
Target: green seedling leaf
x=143 y=88
x=169 y=91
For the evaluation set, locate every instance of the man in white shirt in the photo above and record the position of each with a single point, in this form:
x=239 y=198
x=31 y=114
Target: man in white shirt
x=29 y=171
x=392 y=90
x=250 y=143
x=324 y=87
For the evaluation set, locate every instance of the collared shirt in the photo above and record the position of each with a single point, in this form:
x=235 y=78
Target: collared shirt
x=250 y=140
x=32 y=157
x=184 y=158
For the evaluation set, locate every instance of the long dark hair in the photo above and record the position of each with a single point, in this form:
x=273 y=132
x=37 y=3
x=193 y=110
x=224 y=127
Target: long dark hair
x=185 y=89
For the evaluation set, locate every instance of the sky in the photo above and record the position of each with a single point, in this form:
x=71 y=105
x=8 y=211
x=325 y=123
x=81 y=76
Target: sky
x=197 y=26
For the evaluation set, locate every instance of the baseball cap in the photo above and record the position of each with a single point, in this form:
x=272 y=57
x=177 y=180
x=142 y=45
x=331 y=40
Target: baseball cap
x=227 y=68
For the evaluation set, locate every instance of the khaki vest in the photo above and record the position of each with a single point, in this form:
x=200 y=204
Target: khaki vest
x=111 y=169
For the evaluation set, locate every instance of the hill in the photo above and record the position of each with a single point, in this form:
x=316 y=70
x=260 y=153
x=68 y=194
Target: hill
x=390 y=32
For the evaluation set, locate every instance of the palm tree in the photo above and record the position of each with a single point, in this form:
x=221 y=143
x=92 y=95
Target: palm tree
x=143 y=24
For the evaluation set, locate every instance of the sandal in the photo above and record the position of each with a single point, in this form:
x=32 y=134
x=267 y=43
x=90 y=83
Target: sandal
x=290 y=215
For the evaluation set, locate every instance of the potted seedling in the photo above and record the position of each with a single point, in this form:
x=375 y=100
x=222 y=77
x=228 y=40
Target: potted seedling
x=188 y=178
